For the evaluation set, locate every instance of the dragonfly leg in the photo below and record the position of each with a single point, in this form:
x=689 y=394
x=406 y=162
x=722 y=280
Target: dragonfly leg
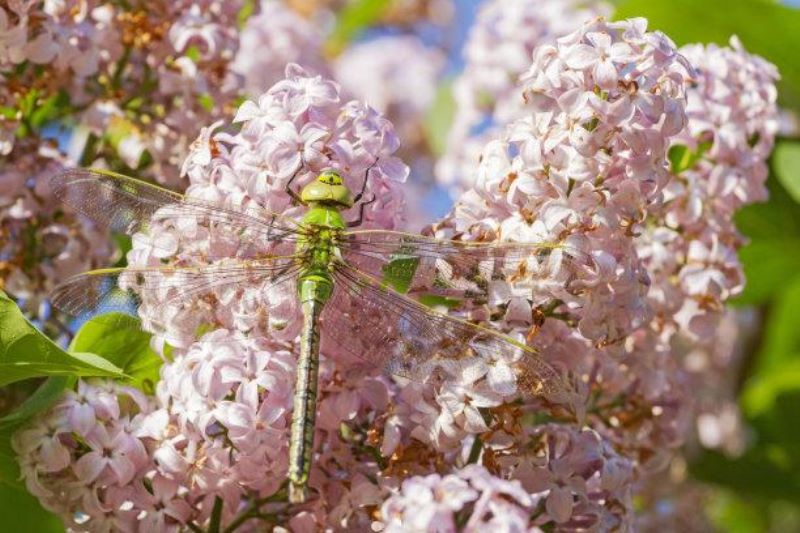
x=360 y=195
x=357 y=222
x=291 y=192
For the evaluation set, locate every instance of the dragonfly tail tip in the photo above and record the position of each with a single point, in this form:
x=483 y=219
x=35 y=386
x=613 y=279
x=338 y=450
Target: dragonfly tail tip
x=297 y=493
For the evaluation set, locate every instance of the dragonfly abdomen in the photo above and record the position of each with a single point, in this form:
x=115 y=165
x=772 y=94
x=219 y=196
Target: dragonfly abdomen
x=315 y=290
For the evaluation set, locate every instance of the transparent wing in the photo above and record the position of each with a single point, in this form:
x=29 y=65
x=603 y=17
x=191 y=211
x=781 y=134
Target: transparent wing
x=128 y=205
x=172 y=301
x=460 y=270
x=407 y=339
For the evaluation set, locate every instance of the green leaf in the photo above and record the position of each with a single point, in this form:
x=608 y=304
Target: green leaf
x=27 y=353
x=193 y=53
x=786 y=162
x=766 y=28
x=440 y=118
x=50 y=109
x=434 y=300
x=8 y=112
x=772 y=258
x=353 y=19
x=756 y=474
x=762 y=389
x=43 y=398
x=781 y=332
x=770 y=468
x=779 y=216
x=118 y=338
x=769 y=266
x=206 y=101
x=733 y=514
x=124 y=245
x=399 y=272
x=682 y=158
x=27 y=103
x=22 y=512
x=245 y=12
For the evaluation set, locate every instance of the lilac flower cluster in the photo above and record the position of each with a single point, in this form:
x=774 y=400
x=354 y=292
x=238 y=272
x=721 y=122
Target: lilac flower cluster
x=273 y=38
x=221 y=427
x=562 y=480
x=398 y=76
x=732 y=122
x=583 y=167
x=295 y=130
x=487 y=93
x=40 y=246
x=85 y=462
x=134 y=82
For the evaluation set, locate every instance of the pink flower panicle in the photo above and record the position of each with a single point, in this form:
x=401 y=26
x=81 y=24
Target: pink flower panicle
x=644 y=261
x=84 y=461
x=397 y=75
x=40 y=246
x=273 y=38
x=487 y=93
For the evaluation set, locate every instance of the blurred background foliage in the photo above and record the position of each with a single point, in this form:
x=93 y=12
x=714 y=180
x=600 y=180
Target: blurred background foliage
x=760 y=489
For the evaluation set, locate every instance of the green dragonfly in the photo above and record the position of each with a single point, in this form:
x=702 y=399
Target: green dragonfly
x=376 y=287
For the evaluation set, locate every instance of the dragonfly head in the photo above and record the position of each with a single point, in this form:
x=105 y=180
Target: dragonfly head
x=328 y=188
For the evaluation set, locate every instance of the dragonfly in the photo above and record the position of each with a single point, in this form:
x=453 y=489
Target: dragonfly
x=392 y=300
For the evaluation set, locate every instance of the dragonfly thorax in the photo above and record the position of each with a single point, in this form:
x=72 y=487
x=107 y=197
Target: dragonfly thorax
x=318 y=249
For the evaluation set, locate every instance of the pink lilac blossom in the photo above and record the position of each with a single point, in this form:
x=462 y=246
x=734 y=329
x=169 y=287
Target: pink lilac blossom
x=273 y=38
x=40 y=246
x=221 y=429
x=732 y=123
x=137 y=84
x=297 y=128
x=140 y=80
x=585 y=168
x=498 y=51
x=83 y=461
x=397 y=75
x=473 y=499
x=224 y=399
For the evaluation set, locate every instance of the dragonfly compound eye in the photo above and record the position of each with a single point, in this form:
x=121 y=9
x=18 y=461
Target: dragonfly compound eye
x=330 y=177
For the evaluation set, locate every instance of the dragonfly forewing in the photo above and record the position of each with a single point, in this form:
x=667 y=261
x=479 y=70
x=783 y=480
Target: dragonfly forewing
x=404 y=338
x=464 y=272
x=127 y=205
x=175 y=303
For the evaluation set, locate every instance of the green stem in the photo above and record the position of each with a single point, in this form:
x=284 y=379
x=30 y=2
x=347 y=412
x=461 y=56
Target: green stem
x=475 y=450
x=216 y=516
x=194 y=527
x=123 y=62
x=254 y=510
